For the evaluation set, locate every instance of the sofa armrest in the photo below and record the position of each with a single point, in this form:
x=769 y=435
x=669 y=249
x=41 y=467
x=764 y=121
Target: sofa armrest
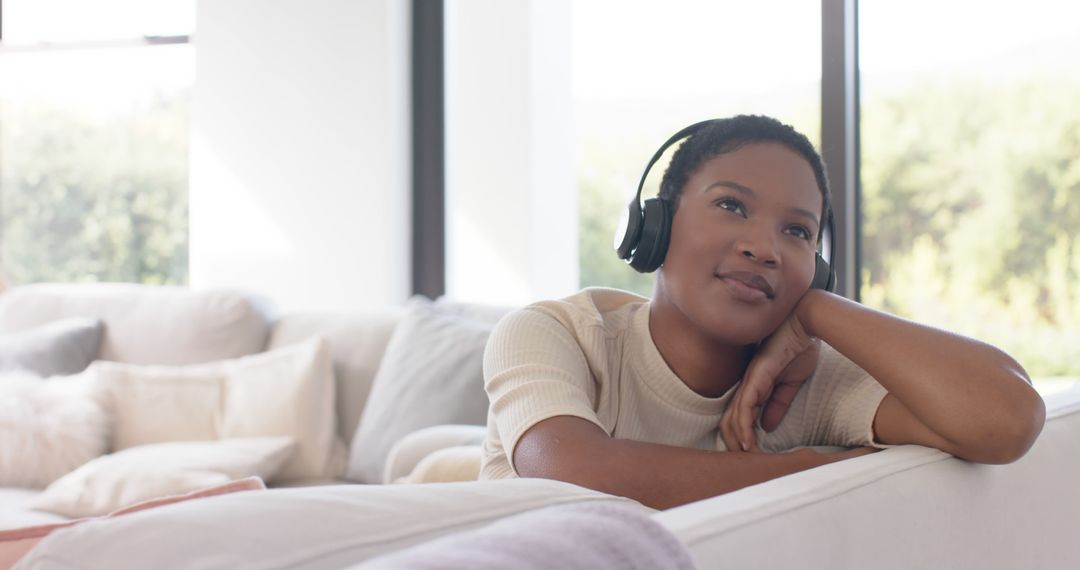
x=904 y=507
x=411 y=449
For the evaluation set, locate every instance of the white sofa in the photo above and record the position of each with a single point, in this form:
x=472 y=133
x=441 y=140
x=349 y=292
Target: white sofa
x=905 y=507
x=175 y=326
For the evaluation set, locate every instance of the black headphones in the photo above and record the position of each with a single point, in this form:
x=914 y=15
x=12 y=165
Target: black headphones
x=642 y=240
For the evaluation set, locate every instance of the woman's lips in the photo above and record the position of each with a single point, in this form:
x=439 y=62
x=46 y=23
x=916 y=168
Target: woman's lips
x=747 y=287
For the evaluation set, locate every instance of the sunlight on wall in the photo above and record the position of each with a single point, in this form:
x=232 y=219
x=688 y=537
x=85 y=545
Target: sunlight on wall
x=237 y=225
x=511 y=219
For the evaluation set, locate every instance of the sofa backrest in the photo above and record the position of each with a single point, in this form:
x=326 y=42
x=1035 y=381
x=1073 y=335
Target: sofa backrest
x=357 y=342
x=176 y=326
x=148 y=324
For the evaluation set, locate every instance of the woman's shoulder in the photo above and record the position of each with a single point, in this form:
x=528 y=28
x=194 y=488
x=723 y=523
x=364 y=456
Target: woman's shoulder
x=591 y=306
x=588 y=308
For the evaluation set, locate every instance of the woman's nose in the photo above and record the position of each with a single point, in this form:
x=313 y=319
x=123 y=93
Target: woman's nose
x=759 y=247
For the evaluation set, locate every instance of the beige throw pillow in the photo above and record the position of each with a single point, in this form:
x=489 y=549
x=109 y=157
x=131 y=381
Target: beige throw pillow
x=288 y=392
x=157 y=404
x=285 y=392
x=137 y=474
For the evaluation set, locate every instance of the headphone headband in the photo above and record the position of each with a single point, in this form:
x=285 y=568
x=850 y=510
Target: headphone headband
x=628 y=235
x=683 y=133
x=642 y=238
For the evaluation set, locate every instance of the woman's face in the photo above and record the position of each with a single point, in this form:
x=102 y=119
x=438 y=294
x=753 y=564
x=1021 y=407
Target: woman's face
x=742 y=243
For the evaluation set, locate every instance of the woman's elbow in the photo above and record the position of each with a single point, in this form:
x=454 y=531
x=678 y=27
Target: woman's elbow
x=560 y=448
x=1017 y=431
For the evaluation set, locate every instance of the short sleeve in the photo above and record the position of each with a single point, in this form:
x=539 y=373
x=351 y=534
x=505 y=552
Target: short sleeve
x=535 y=369
x=835 y=407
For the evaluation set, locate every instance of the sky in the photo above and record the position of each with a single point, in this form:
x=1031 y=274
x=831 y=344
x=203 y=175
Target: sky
x=31 y=21
x=645 y=49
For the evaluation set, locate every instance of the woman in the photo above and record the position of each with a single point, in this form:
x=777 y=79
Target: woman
x=720 y=381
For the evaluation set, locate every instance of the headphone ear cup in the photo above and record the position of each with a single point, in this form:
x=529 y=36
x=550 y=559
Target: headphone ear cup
x=627 y=234
x=655 y=235
x=824 y=276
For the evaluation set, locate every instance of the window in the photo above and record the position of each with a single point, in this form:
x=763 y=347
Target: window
x=642 y=72
x=971 y=173
x=94 y=107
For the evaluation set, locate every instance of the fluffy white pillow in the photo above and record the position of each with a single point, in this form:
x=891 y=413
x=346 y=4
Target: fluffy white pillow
x=458 y=463
x=285 y=392
x=137 y=474
x=47 y=428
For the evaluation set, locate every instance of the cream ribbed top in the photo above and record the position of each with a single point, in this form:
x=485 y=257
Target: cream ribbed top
x=591 y=356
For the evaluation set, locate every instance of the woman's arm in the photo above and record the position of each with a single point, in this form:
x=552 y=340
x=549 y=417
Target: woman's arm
x=577 y=451
x=945 y=390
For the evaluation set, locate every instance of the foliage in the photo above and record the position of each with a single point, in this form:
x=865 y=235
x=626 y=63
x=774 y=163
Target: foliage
x=601 y=207
x=86 y=198
x=971 y=214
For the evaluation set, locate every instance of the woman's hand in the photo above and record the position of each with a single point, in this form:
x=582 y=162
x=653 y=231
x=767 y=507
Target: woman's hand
x=772 y=379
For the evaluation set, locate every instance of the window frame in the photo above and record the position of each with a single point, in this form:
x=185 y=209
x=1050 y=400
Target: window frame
x=839 y=141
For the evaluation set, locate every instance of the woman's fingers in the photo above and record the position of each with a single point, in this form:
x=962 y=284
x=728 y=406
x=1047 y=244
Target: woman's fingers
x=751 y=396
x=727 y=432
x=744 y=425
x=742 y=415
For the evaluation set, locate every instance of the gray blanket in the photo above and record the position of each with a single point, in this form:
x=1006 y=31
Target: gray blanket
x=586 y=536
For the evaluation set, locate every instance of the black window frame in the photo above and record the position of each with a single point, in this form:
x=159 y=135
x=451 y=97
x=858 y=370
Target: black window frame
x=839 y=142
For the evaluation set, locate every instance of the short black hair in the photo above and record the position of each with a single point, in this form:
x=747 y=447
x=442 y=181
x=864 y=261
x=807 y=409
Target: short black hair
x=728 y=135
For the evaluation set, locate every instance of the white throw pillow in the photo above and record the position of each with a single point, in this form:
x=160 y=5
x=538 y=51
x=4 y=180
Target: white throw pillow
x=431 y=374
x=289 y=392
x=284 y=392
x=137 y=474
x=47 y=428
x=157 y=404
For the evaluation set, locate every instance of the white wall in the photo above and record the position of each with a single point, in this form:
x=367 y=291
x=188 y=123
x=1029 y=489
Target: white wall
x=300 y=151
x=512 y=200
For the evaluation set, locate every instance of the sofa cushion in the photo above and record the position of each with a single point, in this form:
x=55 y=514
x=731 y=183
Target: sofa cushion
x=147 y=324
x=431 y=374
x=15 y=543
x=148 y=472
x=61 y=347
x=47 y=428
x=313 y=527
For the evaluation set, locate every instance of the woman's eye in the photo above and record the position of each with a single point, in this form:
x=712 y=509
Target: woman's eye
x=731 y=205
x=800 y=232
